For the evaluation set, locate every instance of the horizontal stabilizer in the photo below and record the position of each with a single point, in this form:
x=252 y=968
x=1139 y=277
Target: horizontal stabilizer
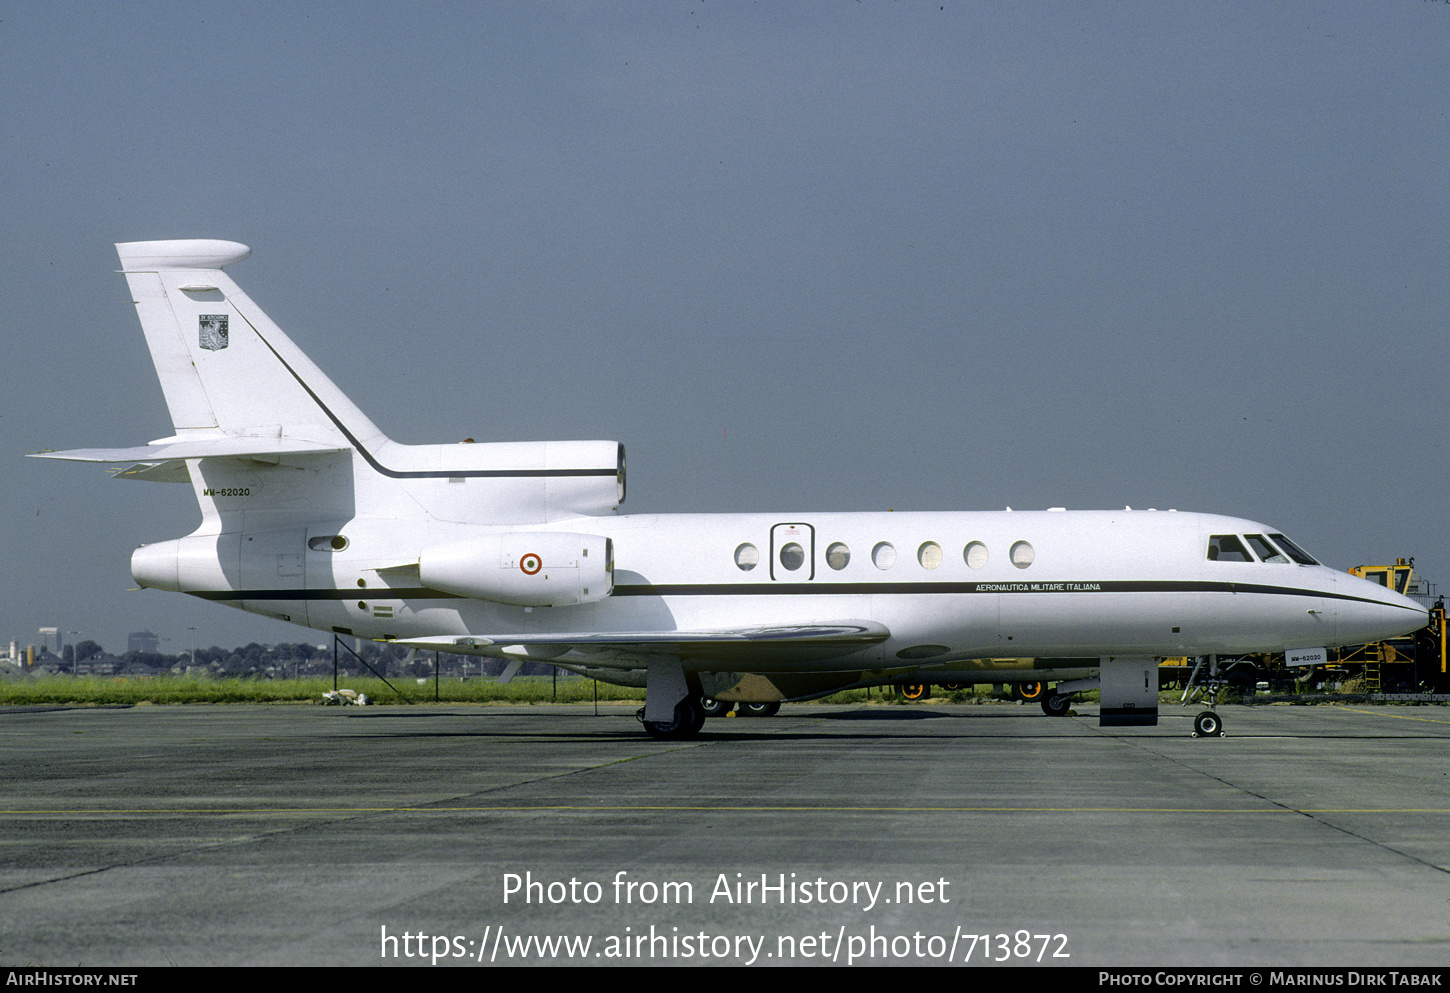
x=257 y=449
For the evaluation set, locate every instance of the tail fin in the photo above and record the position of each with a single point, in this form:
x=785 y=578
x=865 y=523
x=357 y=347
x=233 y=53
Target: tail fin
x=227 y=371
x=243 y=397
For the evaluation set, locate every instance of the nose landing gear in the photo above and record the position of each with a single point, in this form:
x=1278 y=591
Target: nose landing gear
x=1207 y=725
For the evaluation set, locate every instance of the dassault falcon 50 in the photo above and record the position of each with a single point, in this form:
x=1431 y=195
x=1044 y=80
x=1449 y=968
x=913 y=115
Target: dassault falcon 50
x=518 y=551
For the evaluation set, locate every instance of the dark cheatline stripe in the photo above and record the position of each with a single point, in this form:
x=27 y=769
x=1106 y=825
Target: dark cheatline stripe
x=1084 y=587
x=813 y=589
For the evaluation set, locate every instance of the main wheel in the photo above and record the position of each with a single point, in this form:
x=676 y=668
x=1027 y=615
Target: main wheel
x=1207 y=725
x=759 y=709
x=689 y=718
x=915 y=691
x=1054 y=705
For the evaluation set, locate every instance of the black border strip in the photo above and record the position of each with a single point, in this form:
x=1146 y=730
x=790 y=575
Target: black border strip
x=815 y=589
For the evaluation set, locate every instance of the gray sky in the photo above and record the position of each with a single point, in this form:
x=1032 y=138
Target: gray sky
x=797 y=257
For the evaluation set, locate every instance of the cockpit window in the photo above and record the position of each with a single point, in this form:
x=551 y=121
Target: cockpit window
x=1295 y=552
x=1264 y=550
x=1227 y=548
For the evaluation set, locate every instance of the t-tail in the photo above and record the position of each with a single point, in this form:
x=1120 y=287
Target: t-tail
x=283 y=463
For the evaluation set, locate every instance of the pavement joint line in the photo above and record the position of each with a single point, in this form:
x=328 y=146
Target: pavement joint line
x=1399 y=717
x=436 y=808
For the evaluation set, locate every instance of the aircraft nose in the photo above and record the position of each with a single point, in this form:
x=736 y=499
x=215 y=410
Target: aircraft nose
x=1371 y=612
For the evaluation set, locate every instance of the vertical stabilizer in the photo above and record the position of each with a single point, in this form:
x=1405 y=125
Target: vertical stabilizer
x=225 y=368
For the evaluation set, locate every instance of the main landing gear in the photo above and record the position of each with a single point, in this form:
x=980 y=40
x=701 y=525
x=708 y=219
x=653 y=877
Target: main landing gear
x=688 y=719
x=690 y=714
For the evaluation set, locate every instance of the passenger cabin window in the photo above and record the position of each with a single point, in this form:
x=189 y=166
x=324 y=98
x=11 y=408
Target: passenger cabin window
x=838 y=555
x=747 y=557
x=792 y=556
x=1227 y=548
x=1264 y=550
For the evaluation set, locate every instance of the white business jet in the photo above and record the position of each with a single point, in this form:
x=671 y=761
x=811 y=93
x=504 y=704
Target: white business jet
x=517 y=550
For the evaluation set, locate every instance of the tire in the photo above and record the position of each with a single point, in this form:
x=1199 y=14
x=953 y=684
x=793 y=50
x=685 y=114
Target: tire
x=915 y=691
x=759 y=709
x=1055 y=705
x=689 y=718
x=1207 y=725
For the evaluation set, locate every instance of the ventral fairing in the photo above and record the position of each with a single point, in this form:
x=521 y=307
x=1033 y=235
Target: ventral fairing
x=517 y=550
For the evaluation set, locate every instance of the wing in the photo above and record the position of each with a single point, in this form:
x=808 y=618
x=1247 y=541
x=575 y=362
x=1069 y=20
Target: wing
x=737 y=648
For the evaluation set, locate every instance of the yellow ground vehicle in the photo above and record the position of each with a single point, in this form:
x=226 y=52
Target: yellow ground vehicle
x=1414 y=663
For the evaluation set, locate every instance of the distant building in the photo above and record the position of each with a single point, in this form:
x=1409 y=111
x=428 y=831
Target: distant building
x=142 y=641
x=99 y=664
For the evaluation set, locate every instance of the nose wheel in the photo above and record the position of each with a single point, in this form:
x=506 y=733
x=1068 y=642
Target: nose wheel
x=1207 y=725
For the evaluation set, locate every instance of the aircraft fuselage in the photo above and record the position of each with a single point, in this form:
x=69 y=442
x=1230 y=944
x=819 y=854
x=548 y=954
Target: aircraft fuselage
x=947 y=586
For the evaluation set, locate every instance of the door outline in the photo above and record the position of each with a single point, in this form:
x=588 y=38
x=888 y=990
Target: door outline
x=783 y=534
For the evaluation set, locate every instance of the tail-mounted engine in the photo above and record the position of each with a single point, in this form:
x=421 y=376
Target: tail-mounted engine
x=525 y=568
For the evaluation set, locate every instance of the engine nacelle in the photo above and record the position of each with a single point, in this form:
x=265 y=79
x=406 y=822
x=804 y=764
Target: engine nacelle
x=523 y=568
x=196 y=562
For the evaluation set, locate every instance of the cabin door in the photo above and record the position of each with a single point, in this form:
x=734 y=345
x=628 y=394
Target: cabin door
x=793 y=553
